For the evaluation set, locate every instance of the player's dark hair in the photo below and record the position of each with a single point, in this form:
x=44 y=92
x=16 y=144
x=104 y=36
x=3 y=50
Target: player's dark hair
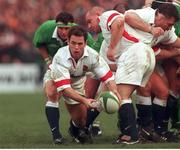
x=77 y=31
x=65 y=18
x=168 y=10
x=121 y=7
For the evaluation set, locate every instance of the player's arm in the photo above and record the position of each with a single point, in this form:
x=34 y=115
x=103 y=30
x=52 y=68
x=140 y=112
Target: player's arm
x=135 y=21
x=111 y=85
x=116 y=29
x=165 y=54
x=103 y=72
x=43 y=52
x=71 y=93
x=176 y=43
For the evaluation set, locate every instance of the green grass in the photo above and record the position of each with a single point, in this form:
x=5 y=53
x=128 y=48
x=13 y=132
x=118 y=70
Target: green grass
x=23 y=125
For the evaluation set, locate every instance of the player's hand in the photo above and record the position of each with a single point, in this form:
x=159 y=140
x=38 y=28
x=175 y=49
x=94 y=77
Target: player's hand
x=119 y=96
x=157 y=31
x=178 y=71
x=89 y=103
x=111 y=54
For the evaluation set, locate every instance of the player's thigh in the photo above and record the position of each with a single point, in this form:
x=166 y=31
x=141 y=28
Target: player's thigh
x=159 y=87
x=78 y=113
x=145 y=91
x=91 y=87
x=170 y=68
x=126 y=90
x=50 y=91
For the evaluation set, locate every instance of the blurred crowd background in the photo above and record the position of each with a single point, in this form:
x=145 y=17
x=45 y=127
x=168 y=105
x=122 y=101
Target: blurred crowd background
x=20 y=18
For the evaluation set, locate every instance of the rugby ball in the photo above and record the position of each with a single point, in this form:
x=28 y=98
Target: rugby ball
x=109 y=102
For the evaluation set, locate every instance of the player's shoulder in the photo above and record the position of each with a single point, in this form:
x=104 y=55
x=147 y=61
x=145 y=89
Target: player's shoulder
x=47 y=25
x=110 y=12
x=91 y=52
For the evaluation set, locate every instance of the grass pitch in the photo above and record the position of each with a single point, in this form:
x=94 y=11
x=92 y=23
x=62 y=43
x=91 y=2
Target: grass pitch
x=23 y=125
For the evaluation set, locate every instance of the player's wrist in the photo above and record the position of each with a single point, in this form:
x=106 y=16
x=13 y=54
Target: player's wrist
x=150 y=29
x=48 y=60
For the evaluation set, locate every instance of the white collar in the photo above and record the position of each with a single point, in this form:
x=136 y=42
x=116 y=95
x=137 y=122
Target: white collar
x=55 y=35
x=84 y=55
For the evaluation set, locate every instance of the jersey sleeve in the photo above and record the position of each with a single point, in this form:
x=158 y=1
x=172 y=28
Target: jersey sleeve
x=145 y=14
x=170 y=37
x=43 y=33
x=102 y=70
x=60 y=74
x=90 y=40
x=111 y=18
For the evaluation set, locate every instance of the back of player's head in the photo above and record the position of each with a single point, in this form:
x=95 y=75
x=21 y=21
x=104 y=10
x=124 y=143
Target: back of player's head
x=121 y=7
x=77 y=31
x=96 y=10
x=65 y=18
x=169 y=10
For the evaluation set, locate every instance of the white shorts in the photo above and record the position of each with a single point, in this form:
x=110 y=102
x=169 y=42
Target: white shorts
x=47 y=77
x=78 y=86
x=135 y=65
x=159 y=69
x=103 y=52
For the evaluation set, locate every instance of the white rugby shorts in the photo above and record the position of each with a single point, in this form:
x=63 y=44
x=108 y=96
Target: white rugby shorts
x=135 y=65
x=47 y=77
x=78 y=86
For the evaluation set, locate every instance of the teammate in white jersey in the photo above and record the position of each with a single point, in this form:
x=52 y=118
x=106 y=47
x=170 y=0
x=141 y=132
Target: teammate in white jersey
x=68 y=70
x=131 y=45
x=159 y=23
x=133 y=68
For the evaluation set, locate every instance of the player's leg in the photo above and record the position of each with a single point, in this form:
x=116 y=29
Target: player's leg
x=126 y=113
x=52 y=108
x=144 y=112
x=78 y=130
x=134 y=69
x=161 y=93
x=170 y=68
x=91 y=88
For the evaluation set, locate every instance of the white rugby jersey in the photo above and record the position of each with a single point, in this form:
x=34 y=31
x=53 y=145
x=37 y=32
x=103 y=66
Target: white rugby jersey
x=66 y=72
x=132 y=35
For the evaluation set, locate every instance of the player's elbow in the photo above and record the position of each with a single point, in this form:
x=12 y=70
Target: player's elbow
x=128 y=17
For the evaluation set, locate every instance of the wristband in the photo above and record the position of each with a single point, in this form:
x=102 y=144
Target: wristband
x=151 y=28
x=47 y=60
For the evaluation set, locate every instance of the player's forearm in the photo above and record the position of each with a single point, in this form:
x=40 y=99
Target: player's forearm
x=165 y=54
x=111 y=85
x=69 y=92
x=177 y=59
x=113 y=67
x=43 y=52
x=135 y=21
x=176 y=43
x=117 y=29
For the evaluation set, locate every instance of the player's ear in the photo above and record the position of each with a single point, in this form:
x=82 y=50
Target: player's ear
x=68 y=41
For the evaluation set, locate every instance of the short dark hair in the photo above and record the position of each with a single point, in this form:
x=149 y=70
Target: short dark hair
x=120 y=6
x=64 y=17
x=77 y=31
x=169 y=10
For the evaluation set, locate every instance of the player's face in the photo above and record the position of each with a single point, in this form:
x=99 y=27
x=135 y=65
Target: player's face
x=164 y=22
x=92 y=22
x=63 y=32
x=76 y=46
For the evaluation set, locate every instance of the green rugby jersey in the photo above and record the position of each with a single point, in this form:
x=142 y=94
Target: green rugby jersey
x=98 y=42
x=177 y=25
x=43 y=37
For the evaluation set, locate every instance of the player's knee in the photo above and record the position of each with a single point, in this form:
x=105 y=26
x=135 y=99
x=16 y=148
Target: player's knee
x=145 y=91
x=52 y=94
x=163 y=93
x=80 y=122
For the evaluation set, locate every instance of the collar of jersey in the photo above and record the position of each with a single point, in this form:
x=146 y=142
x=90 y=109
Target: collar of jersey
x=84 y=55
